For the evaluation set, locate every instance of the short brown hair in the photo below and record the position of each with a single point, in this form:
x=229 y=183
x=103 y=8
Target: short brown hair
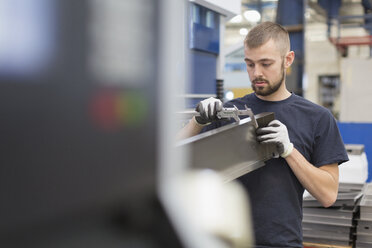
x=265 y=31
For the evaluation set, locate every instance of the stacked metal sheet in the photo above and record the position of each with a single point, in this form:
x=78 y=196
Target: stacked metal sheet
x=333 y=225
x=364 y=223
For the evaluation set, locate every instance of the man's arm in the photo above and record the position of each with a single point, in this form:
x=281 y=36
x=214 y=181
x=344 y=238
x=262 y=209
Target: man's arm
x=192 y=128
x=322 y=182
x=208 y=109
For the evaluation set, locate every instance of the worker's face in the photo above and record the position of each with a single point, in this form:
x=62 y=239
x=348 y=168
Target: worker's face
x=266 y=68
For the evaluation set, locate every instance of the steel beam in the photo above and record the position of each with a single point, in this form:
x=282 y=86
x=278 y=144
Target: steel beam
x=231 y=150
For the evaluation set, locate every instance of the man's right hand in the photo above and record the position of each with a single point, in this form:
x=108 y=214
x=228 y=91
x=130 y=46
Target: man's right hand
x=208 y=109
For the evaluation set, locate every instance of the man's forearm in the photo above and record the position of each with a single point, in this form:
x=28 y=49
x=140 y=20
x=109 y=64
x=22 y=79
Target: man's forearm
x=321 y=182
x=191 y=129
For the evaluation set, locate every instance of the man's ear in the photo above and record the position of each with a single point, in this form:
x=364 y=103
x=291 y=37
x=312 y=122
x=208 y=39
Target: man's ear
x=289 y=58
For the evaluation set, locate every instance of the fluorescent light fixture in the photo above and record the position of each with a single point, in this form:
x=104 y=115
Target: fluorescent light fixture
x=237 y=19
x=229 y=95
x=252 y=16
x=243 y=31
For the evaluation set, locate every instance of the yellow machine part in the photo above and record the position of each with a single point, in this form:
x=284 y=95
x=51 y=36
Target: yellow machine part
x=240 y=92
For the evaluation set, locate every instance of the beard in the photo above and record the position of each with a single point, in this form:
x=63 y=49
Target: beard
x=270 y=88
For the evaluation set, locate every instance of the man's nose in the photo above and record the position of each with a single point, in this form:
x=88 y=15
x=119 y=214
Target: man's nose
x=257 y=71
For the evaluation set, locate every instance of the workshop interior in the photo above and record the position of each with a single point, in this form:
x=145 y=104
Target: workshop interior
x=94 y=93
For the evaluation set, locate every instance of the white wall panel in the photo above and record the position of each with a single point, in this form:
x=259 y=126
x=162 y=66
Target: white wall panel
x=228 y=8
x=356 y=90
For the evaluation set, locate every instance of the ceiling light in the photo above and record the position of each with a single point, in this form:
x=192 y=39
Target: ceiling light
x=252 y=15
x=237 y=19
x=243 y=31
x=229 y=95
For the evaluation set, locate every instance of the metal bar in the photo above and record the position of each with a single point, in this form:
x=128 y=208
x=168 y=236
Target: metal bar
x=355 y=25
x=366 y=16
x=225 y=113
x=352 y=40
x=231 y=150
x=203 y=96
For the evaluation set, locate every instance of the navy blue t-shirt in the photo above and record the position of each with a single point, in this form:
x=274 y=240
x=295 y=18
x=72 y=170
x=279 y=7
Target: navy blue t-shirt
x=274 y=191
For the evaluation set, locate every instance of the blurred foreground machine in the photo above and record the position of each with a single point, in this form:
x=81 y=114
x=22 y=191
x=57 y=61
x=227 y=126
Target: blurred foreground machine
x=231 y=150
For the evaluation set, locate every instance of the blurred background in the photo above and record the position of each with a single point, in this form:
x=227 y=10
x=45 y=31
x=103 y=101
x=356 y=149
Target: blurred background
x=89 y=92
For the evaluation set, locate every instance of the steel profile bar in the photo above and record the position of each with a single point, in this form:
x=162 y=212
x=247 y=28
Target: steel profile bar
x=231 y=150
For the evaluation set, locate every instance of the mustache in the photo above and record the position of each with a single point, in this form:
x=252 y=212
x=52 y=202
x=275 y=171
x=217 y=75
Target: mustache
x=260 y=80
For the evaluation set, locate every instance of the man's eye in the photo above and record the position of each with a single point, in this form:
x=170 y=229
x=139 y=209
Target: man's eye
x=266 y=65
x=250 y=65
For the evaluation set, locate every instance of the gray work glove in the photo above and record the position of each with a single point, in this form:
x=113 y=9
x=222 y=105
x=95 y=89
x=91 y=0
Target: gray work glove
x=276 y=133
x=208 y=109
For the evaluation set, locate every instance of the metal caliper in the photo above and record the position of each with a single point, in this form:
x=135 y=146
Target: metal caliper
x=235 y=113
x=228 y=113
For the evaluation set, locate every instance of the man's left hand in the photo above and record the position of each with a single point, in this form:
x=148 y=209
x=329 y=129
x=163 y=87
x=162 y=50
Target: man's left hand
x=276 y=133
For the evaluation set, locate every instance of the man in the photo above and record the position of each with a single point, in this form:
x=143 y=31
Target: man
x=306 y=136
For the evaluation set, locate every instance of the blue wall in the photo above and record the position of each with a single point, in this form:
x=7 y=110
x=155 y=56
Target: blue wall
x=204 y=44
x=296 y=36
x=359 y=133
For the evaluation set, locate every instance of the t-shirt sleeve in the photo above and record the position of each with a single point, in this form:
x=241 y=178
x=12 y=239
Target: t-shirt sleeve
x=213 y=125
x=328 y=147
